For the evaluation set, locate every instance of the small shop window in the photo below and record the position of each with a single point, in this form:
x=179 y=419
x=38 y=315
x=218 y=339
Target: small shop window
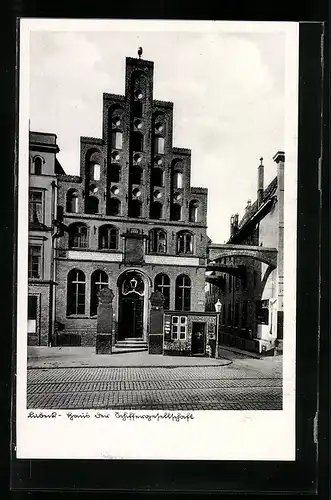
x=262 y=312
x=179 y=328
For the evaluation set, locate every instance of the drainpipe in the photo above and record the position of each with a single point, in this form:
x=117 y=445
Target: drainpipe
x=260 y=182
x=52 y=298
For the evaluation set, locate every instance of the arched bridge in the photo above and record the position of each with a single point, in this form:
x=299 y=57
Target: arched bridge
x=266 y=255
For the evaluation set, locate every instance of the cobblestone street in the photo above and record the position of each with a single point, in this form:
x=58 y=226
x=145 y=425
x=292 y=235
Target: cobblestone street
x=251 y=384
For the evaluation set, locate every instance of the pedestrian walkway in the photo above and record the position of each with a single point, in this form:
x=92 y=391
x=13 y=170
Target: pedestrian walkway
x=71 y=357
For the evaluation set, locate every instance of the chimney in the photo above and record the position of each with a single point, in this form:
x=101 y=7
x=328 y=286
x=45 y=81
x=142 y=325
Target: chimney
x=234 y=222
x=260 y=182
x=232 y=225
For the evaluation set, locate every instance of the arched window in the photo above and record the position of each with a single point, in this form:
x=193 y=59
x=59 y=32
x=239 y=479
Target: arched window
x=78 y=236
x=95 y=171
x=157 y=241
x=156 y=210
x=162 y=284
x=92 y=205
x=158 y=145
x=114 y=173
x=72 y=201
x=108 y=237
x=135 y=208
x=99 y=280
x=175 y=211
x=114 y=207
x=76 y=292
x=193 y=211
x=177 y=180
x=116 y=139
x=183 y=293
x=136 y=175
x=157 y=177
x=184 y=242
x=137 y=141
x=38 y=163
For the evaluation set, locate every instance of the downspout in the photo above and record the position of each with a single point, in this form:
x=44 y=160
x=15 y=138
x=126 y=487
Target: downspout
x=52 y=340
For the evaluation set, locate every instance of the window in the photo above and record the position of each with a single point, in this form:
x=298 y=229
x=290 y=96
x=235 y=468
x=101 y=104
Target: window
x=95 y=171
x=114 y=173
x=34 y=261
x=183 y=293
x=193 y=211
x=175 y=211
x=76 y=292
x=99 y=280
x=36 y=207
x=92 y=205
x=116 y=139
x=157 y=241
x=32 y=313
x=114 y=207
x=137 y=141
x=162 y=284
x=156 y=210
x=230 y=283
x=136 y=175
x=177 y=180
x=157 y=177
x=108 y=237
x=32 y=306
x=184 y=243
x=72 y=201
x=38 y=163
x=135 y=208
x=179 y=328
x=262 y=312
x=237 y=283
x=159 y=145
x=78 y=236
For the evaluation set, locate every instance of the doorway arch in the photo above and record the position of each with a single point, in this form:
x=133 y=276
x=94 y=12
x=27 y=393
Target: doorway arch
x=132 y=308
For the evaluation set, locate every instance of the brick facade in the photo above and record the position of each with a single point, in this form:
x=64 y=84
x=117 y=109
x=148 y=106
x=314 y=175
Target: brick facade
x=134 y=180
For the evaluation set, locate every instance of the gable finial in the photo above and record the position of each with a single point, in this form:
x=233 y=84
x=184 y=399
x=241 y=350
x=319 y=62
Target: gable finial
x=140 y=52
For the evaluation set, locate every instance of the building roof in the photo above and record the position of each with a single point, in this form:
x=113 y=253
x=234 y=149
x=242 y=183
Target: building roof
x=251 y=213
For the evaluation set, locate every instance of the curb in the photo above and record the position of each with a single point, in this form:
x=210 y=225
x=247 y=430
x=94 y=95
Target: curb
x=227 y=363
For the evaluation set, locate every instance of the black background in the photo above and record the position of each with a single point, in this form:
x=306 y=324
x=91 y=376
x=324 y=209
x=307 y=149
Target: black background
x=306 y=474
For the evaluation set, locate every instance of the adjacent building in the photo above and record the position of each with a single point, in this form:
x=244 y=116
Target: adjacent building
x=246 y=274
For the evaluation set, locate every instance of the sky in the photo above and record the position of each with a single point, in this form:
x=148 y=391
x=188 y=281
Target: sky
x=228 y=91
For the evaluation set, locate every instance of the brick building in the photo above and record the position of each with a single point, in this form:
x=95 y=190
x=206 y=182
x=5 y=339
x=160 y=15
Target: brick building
x=248 y=271
x=132 y=220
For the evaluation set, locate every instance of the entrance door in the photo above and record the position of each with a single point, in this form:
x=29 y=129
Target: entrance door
x=198 y=338
x=130 y=317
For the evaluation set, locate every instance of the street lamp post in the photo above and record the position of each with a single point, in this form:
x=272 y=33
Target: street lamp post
x=218 y=309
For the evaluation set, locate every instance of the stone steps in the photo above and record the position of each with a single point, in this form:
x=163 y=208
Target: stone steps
x=132 y=344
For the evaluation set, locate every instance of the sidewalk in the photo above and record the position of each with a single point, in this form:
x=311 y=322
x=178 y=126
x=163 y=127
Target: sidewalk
x=70 y=357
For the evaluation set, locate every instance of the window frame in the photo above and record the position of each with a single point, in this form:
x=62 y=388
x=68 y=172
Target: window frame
x=73 y=291
x=161 y=287
x=79 y=226
x=181 y=289
x=40 y=260
x=176 y=327
x=96 y=286
x=182 y=242
x=105 y=232
x=33 y=204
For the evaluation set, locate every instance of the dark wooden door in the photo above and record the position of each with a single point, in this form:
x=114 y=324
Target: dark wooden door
x=198 y=338
x=131 y=317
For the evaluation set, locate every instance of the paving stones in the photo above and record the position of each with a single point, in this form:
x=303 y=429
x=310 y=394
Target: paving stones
x=170 y=388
